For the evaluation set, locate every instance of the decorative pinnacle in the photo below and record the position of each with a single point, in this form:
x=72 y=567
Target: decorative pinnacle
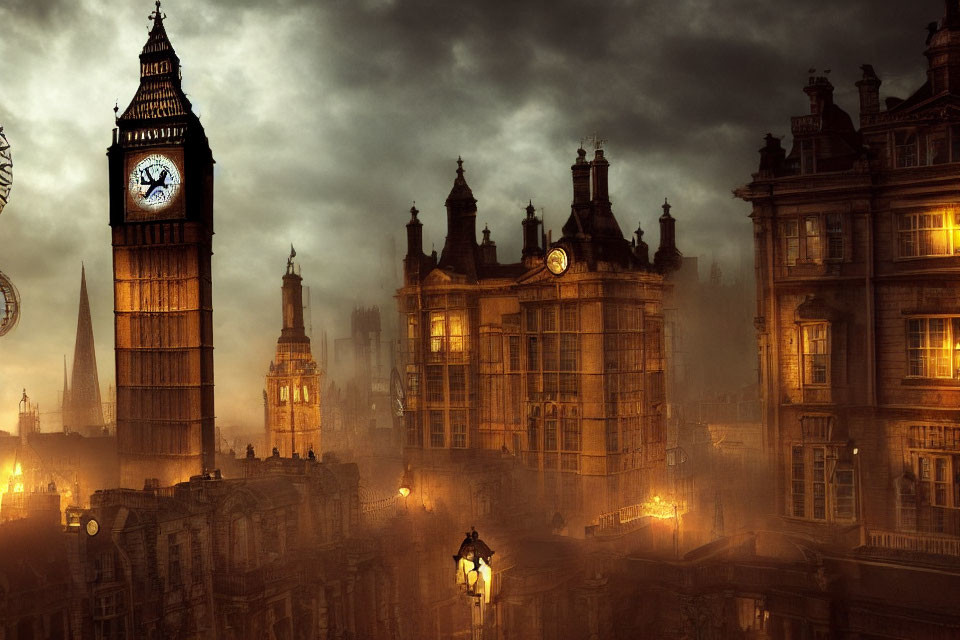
x=156 y=16
x=666 y=208
x=459 y=166
x=414 y=211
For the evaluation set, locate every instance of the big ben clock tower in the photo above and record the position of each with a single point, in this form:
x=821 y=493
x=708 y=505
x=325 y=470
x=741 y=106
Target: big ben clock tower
x=161 y=214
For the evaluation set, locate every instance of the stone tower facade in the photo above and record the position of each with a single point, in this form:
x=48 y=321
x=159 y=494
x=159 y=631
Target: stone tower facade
x=161 y=214
x=82 y=409
x=293 y=382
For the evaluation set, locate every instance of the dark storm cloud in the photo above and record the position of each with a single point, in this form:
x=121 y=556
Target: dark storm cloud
x=328 y=118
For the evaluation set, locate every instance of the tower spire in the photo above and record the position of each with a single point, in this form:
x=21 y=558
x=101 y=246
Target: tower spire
x=460 y=250
x=85 y=411
x=65 y=401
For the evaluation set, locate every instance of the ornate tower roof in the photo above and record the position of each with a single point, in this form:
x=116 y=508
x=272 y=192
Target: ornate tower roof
x=159 y=95
x=460 y=251
x=461 y=193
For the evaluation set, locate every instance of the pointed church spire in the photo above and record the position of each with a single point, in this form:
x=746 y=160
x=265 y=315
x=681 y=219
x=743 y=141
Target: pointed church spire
x=65 y=401
x=86 y=412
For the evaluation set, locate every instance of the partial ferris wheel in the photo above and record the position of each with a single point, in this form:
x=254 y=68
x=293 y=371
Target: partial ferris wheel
x=9 y=298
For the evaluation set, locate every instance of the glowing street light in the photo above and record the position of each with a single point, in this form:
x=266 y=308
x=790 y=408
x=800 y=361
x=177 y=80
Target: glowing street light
x=475 y=577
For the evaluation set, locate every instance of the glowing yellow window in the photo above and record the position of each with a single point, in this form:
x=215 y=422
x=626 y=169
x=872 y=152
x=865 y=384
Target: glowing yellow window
x=306 y=394
x=437 y=331
x=457 y=331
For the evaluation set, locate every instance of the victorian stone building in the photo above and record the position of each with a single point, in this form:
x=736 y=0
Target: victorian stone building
x=292 y=391
x=556 y=360
x=857 y=232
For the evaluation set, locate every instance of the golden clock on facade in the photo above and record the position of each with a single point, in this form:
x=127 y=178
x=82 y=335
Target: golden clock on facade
x=557 y=261
x=93 y=527
x=154 y=182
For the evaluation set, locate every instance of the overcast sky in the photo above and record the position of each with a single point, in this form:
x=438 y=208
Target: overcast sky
x=327 y=119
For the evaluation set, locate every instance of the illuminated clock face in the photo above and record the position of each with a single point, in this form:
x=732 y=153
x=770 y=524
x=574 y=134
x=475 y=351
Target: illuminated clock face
x=154 y=182
x=557 y=261
x=93 y=527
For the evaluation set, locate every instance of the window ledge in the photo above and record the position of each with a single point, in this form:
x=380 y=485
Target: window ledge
x=930 y=382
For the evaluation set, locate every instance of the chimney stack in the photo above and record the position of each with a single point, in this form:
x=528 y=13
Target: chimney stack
x=531 y=235
x=869 y=87
x=667 y=257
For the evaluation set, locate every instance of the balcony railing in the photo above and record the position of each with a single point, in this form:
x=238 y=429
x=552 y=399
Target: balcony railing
x=916 y=542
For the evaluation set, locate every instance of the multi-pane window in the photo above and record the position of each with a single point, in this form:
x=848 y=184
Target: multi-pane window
x=790 y=236
x=448 y=331
x=905 y=148
x=434 y=383
x=437 y=435
x=935 y=233
x=458 y=429
x=816 y=354
x=613 y=436
x=533 y=435
x=458 y=383
x=798 y=484
x=819 y=484
x=552 y=345
x=533 y=353
x=845 y=495
x=458 y=332
x=513 y=346
x=906 y=504
x=412 y=426
x=571 y=434
x=550 y=435
x=811 y=232
x=834 y=236
x=438 y=329
x=413 y=381
x=932 y=347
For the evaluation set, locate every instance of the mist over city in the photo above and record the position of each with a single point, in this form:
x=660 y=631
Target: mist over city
x=429 y=320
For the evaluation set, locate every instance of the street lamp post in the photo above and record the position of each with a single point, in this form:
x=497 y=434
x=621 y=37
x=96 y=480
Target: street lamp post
x=475 y=577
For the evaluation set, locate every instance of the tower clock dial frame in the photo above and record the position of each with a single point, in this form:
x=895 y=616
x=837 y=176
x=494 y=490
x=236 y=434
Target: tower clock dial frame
x=154 y=184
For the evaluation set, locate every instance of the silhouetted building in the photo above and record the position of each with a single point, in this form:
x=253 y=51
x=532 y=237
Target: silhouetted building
x=273 y=554
x=161 y=212
x=359 y=404
x=293 y=383
x=857 y=243
x=82 y=408
x=557 y=359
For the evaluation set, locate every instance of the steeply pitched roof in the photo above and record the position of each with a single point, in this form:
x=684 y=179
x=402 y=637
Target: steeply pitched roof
x=159 y=94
